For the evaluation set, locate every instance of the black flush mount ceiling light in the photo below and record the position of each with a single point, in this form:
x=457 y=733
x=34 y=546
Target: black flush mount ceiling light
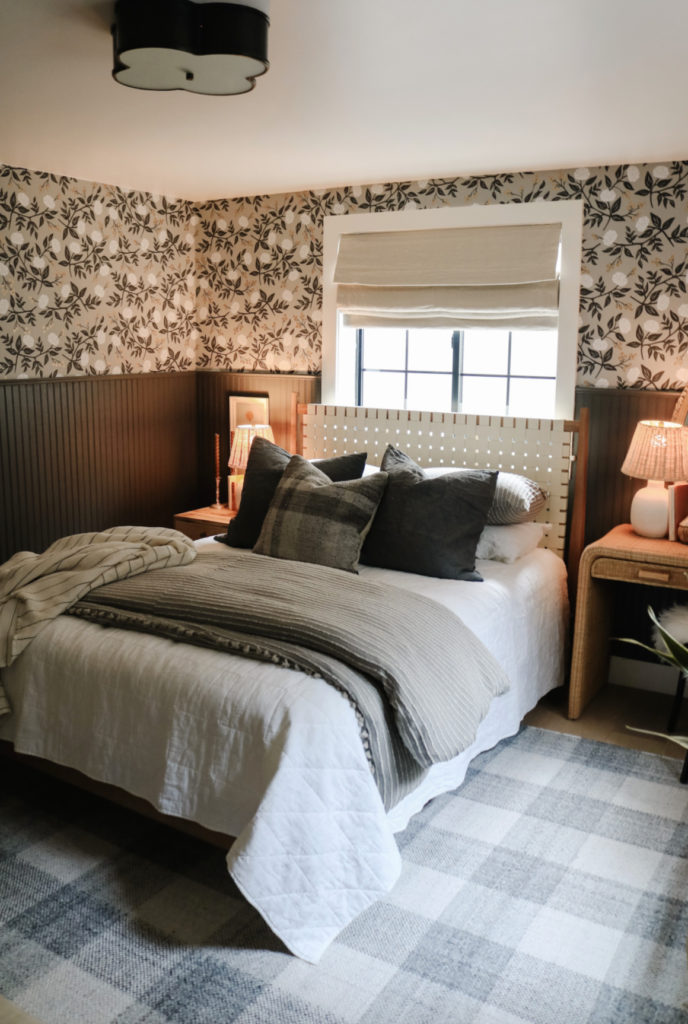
x=207 y=47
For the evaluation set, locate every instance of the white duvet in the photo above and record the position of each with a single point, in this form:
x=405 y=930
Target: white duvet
x=270 y=755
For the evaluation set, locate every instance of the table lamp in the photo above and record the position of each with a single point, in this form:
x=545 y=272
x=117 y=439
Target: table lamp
x=238 y=456
x=658 y=453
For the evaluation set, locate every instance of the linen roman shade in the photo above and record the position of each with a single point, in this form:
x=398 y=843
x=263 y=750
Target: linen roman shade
x=450 y=277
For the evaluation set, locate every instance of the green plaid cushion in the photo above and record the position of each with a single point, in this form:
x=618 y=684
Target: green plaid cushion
x=312 y=519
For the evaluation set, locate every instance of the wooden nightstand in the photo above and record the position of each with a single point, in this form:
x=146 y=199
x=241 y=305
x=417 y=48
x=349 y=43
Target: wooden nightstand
x=622 y=556
x=203 y=522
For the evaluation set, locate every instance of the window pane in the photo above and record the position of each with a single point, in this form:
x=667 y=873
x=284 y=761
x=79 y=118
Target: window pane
x=534 y=353
x=430 y=349
x=429 y=391
x=484 y=395
x=384 y=348
x=532 y=398
x=485 y=351
x=382 y=390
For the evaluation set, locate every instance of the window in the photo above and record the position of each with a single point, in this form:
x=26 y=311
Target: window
x=496 y=372
x=510 y=367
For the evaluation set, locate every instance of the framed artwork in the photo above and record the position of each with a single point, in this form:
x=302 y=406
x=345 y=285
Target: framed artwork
x=248 y=408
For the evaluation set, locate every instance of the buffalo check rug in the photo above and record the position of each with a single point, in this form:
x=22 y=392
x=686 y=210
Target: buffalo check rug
x=551 y=888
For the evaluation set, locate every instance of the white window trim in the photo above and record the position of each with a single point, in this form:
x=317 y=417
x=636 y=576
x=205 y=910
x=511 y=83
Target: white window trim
x=337 y=381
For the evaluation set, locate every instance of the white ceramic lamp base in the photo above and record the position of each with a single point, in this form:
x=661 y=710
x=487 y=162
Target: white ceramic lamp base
x=650 y=510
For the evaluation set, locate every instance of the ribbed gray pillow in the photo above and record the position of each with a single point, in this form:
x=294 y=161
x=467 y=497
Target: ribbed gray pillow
x=517 y=499
x=312 y=519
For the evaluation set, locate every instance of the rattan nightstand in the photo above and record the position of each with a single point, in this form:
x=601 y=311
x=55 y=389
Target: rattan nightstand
x=203 y=522
x=622 y=556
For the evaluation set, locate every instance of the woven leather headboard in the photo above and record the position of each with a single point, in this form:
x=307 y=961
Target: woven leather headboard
x=539 y=449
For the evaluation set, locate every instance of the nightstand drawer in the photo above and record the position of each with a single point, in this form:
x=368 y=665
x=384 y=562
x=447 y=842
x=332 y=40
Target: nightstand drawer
x=196 y=530
x=203 y=522
x=648 y=573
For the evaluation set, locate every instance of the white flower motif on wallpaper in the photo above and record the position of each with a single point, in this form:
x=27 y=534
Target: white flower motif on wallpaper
x=95 y=279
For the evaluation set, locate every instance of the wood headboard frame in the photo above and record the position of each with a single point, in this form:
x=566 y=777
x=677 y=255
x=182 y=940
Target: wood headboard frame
x=547 y=451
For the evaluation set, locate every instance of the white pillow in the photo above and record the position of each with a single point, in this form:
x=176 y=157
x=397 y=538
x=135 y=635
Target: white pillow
x=507 y=543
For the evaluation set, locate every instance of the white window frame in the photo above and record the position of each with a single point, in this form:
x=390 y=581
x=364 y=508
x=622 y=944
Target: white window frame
x=337 y=367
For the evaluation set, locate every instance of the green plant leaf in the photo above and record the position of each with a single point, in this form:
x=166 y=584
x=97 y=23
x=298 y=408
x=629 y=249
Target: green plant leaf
x=681 y=741
x=679 y=651
x=665 y=656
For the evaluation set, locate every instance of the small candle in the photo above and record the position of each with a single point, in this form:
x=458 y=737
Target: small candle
x=217 y=455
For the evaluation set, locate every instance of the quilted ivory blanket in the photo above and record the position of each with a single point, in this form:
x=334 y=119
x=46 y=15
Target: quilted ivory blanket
x=436 y=675
x=309 y=857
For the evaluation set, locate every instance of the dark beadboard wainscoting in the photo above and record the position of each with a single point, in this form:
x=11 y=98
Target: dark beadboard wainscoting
x=87 y=453
x=214 y=389
x=613 y=416
x=83 y=454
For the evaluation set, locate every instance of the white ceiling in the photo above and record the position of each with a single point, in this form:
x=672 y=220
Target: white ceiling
x=359 y=91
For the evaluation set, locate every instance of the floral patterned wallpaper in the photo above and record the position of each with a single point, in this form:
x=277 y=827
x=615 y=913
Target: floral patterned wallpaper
x=96 y=279
x=93 y=279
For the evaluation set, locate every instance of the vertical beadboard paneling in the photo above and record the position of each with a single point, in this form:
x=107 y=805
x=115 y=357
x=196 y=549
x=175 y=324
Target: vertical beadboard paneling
x=613 y=416
x=85 y=454
x=214 y=389
x=79 y=455
x=95 y=452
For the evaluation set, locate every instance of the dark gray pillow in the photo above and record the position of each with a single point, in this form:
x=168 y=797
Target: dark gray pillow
x=431 y=527
x=266 y=463
x=312 y=519
x=517 y=499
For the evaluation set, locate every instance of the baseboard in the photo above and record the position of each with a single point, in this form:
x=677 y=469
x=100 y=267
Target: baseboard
x=642 y=675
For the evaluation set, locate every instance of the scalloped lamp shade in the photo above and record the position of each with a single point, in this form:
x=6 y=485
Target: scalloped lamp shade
x=216 y=48
x=658 y=453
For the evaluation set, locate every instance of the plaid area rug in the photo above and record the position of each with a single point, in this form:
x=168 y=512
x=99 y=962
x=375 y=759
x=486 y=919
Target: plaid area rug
x=551 y=888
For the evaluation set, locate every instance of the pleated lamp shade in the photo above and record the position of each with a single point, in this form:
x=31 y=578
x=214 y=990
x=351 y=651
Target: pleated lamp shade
x=243 y=439
x=658 y=452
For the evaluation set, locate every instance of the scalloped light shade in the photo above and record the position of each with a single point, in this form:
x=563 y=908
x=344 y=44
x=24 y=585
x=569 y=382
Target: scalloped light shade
x=216 y=48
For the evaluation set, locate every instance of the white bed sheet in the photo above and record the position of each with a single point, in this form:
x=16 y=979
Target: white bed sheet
x=272 y=756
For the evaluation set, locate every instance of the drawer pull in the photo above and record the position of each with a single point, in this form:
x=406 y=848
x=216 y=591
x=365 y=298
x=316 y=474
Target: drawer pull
x=658 y=577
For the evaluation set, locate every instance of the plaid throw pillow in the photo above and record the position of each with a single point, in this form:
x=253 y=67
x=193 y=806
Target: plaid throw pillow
x=312 y=519
x=266 y=463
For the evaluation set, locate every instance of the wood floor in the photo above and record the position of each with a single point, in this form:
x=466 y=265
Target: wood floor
x=609 y=713
x=605 y=719
x=11 y=1014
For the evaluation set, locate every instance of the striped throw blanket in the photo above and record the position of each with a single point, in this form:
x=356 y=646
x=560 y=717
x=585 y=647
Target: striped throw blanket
x=36 y=588
x=437 y=677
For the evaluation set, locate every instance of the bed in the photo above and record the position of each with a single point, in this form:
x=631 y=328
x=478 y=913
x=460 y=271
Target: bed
x=273 y=755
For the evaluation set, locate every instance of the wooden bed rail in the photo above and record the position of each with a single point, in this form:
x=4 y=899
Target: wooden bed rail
x=576 y=533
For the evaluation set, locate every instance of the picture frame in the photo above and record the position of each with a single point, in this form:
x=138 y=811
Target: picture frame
x=247 y=407
x=678 y=510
